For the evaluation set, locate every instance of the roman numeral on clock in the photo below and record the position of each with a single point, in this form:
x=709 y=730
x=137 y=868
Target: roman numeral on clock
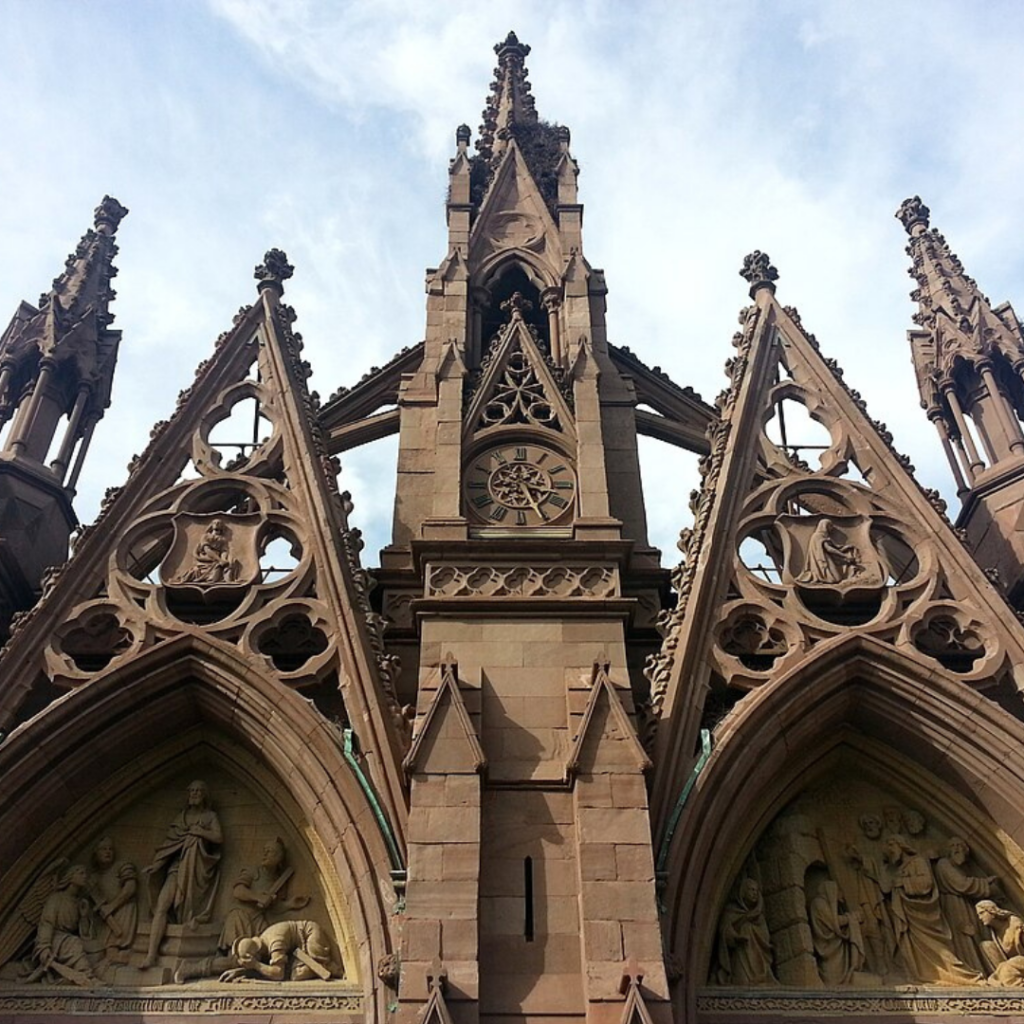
x=483 y=500
x=499 y=513
x=557 y=500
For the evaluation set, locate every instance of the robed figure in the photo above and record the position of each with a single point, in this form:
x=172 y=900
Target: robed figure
x=185 y=868
x=923 y=939
x=744 y=942
x=837 y=937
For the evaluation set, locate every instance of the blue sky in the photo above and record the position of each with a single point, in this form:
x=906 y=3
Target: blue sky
x=703 y=130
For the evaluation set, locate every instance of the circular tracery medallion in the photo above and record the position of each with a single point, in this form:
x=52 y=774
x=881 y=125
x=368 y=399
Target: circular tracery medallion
x=520 y=485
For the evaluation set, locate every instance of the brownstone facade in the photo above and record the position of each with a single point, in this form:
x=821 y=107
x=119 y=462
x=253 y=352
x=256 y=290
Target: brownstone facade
x=519 y=772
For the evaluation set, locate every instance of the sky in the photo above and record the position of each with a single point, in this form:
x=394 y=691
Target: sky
x=703 y=130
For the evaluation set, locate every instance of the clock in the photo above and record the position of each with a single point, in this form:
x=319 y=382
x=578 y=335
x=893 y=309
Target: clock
x=519 y=485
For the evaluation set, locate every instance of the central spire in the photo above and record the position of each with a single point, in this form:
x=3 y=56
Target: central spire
x=509 y=105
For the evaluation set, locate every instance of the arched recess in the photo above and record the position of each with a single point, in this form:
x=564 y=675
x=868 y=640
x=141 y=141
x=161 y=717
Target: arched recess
x=912 y=723
x=143 y=722
x=513 y=270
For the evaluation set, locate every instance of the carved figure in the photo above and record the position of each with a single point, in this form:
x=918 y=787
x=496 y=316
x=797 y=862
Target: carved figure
x=838 y=944
x=212 y=562
x=894 y=823
x=286 y=951
x=923 y=939
x=957 y=892
x=915 y=822
x=58 y=949
x=259 y=890
x=827 y=561
x=1002 y=943
x=113 y=888
x=744 y=944
x=293 y=950
x=186 y=868
x=875 y=921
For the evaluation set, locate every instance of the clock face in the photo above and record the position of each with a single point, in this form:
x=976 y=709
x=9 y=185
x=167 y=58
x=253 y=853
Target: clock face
x=520 y=485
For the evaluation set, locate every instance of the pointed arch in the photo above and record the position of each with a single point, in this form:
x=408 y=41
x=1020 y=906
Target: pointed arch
x=189 y=693
x=539 y=271
x=912 y=723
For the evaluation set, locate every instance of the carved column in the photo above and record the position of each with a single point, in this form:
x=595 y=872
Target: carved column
x=90 y=426
x=1009 y=424
x=975 y=464
x=27 y=421
x=552 y=299
x=60 y=463
x=935 y=415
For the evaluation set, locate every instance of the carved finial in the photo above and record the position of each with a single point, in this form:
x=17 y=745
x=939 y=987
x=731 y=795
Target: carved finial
x=563 y=135
x=462 y=136
x=274 y=270
x=758 y=271
x=109 y=213
x=632 y=974
x=518 y=304
x=437 y=975
x=912 y=211
x=511 y=48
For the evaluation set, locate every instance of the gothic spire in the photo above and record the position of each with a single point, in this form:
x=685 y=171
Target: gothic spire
x=968 y=356
x=58 y=359
x=510 y=115
x=71 y=325
x=509 y=106
x=957 y=317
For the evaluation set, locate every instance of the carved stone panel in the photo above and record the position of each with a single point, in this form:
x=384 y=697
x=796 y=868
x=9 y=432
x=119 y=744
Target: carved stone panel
x=852 y=887
x=833 y=552
x=195 y=883
x=211 y=551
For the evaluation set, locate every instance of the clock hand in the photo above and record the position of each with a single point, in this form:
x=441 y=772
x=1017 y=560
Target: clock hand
x=529 y=497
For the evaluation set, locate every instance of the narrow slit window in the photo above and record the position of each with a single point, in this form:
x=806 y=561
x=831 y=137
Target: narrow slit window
x=528 y=899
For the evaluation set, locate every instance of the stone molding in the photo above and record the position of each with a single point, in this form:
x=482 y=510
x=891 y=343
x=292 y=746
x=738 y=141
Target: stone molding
x=586 y=582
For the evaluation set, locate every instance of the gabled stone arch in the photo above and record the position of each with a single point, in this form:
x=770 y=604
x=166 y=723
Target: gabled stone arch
x=936 y=741
x=195 y=700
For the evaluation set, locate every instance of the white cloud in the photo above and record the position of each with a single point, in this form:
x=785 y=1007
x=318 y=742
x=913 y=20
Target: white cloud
x=703 y=131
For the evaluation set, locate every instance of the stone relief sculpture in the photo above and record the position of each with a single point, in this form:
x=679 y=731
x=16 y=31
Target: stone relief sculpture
x=924 y=942
x=842 y=900
x=833 y=552
x=259 y=890
x=838 y=943
x=829 y=561
x=185 y=869
x=876 y=924
x=88 y=925
x=1002 y=943
x=113 y=888
x=211 y=559
x=286 y=951
x=957 y=893
x=744 y=947
x=59 y=950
